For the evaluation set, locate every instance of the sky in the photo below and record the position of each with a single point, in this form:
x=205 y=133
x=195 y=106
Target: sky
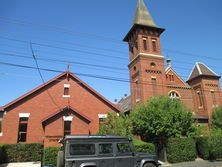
x=71 y=32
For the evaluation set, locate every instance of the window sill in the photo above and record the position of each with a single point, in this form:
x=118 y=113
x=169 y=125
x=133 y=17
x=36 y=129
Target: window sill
x=66 y=96
x=1 y=134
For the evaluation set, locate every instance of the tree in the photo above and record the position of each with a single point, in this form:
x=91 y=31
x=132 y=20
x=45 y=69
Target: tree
x=217 y=118
x=116 y=125
x=162 y=117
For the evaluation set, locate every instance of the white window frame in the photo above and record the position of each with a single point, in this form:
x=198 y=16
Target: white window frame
x=24 y=115
x=67 y=118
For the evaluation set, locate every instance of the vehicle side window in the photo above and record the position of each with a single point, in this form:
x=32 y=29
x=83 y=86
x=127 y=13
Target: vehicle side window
x=123 y=148
x=105 y=148
x=82 y=149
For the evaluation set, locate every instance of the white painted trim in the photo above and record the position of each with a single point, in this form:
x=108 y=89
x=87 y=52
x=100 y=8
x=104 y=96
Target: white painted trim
x=102 y=115
x=67 y=118
x=66 y=85
x=150 y=55
x=24 y=115
x=66 y=96
x=198 y=67
x=1 y=134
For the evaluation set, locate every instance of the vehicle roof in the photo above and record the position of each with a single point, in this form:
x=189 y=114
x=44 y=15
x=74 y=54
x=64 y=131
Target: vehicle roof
x=94 y=137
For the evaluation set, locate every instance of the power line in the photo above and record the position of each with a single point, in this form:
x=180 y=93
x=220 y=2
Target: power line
x=63 y=48
x=43 y=81
x=61 y=29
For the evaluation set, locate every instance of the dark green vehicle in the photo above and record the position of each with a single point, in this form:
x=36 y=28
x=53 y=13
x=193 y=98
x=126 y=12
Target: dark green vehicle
x=102 y=151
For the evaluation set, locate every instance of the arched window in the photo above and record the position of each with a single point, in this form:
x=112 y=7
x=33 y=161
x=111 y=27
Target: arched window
x=174 y=95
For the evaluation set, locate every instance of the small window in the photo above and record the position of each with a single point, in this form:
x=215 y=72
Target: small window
x=105 y=148
x=174 y=95
x=154 y=45
x=214 y=101
x=67 y=128
x=134 y=68
x=145 y=43
x=23 y=126
x=66 y=91
x=136 y=44
x=82 y=149
x=200 y=99
x=123 y=148
x=171 y=77
x=152 y=65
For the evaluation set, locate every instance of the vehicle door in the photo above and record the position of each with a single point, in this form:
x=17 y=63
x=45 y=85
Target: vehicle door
x=124 y=155
x=105 y=154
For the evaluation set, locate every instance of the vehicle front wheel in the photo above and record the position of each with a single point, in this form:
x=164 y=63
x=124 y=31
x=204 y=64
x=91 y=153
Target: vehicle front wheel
x=149 y=165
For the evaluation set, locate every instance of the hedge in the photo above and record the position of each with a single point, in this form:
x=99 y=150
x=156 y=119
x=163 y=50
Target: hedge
x=50 y=155
x=1 y=153
x=141 y=146
x=210 y=148
x=203 y=148
x=181 y=150
x=21 y=152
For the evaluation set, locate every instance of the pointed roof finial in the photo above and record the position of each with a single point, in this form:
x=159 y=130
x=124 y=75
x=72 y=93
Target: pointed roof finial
x=168 y=62
x=142 y=15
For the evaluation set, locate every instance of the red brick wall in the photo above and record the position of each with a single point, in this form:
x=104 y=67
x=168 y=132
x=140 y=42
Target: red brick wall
x=40 y=106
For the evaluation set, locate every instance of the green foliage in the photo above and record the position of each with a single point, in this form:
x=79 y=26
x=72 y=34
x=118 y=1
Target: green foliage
x=210 y=147
x=162 y=117
x=21 y=152
x=215 y=145
x=116 y=125
x=1 y=153
x=141 y=146
x=181 y=149
x=50 y=155
x=201 y=131
x=217 y=118
x=202 y=147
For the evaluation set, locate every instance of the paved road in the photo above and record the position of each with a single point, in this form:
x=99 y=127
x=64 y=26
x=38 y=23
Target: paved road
x=197 y=163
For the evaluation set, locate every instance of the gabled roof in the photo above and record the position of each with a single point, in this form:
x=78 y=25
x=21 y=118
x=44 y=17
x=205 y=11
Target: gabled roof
x=67 y=109
x=200 y=69
x=142 y=15
x=23 y=97
x=125 y=104
x=169 y=68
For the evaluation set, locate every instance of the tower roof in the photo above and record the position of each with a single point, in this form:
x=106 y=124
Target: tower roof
x=201 y=69
x=142 y=15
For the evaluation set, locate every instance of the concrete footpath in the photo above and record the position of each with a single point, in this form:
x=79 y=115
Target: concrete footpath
x=197 y=163
x=26 y=164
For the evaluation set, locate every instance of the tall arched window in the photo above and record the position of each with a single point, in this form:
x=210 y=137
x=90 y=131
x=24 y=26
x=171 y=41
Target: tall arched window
x=174 y=95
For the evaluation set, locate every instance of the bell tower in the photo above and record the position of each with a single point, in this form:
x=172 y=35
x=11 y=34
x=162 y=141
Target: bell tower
x=146 y=67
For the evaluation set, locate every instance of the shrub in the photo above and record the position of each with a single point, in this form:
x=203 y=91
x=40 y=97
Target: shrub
x=181 y=149
x=202 y=147
x=50 y=155
x=21 y=152
x=215 y=145
x=1 y=153
x=141 y=146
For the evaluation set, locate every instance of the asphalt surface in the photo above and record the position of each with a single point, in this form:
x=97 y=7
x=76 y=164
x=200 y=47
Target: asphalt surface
x=197 y=163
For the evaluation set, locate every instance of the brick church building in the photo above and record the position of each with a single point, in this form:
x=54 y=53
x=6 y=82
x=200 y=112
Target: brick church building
x=67 y=105
x=150 y=77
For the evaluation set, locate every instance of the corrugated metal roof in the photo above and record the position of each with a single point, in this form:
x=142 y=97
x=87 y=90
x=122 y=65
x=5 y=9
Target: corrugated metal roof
x=125 y=104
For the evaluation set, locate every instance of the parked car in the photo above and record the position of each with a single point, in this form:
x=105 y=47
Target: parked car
x=102 y=151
